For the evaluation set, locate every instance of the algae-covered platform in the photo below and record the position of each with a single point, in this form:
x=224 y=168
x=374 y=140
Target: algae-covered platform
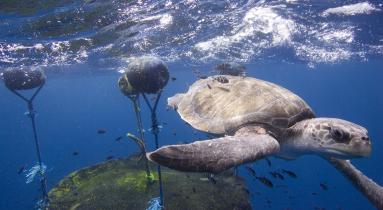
x=122 y=184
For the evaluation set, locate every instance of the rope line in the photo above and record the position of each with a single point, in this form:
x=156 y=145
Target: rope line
x=155 y=131
x=32 y=114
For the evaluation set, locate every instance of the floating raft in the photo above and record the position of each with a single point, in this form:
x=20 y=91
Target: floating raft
x=122 y=184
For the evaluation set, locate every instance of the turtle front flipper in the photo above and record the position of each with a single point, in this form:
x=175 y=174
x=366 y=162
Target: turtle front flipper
x=215 y=155
x=370 y=189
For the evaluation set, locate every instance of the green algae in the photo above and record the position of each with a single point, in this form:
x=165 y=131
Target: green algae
x=123 y=184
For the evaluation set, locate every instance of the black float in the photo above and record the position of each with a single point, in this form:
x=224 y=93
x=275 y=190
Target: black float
x=146 y=75
x=17 y=80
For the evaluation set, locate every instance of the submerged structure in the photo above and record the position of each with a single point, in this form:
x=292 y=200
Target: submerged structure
x=17 y=80
x=146 y=75
x=122 y=184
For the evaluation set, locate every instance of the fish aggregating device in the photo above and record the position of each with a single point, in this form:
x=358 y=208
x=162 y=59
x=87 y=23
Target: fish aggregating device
x=146 y=75
x=19 y=80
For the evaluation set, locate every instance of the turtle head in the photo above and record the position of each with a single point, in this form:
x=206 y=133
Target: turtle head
x=337 y=138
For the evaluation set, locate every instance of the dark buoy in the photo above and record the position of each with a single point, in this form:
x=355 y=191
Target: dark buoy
x=22 y=79
x=125 y=86
x=231 y=68
x=147 y=74
x=17 y=80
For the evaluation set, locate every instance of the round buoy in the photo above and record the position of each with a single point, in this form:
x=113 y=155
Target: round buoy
x=147 y=74
x=125 y=86
x=19 y=79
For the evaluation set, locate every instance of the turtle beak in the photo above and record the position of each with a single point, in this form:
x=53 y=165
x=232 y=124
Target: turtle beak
x=357 y=147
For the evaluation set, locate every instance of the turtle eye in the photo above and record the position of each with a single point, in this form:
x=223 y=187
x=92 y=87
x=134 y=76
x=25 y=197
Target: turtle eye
x=338 y=134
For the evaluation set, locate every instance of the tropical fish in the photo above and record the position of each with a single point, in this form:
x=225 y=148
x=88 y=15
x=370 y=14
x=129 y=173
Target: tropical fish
x=119 y=138
x=265 y=181
x=323 y=186
x=251 y=171
x=290 y=173
x=210 y=177
x=268 y=161
x=22 y=169
x=101 y=131
x=276 y=175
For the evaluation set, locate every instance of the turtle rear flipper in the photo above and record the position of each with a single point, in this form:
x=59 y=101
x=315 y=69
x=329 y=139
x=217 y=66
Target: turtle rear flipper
x=215 y=155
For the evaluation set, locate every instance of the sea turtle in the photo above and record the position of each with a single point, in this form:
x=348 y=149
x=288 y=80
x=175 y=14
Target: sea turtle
x=256 y=118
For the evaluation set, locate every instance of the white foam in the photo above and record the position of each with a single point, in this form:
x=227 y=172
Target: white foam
x=261 y=23
x=352 y=9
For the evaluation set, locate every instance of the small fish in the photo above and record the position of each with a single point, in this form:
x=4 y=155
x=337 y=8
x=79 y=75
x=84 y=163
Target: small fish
x=101 y=131
x=75 y=153
x=251 y=171
x=173 y=78
x=212 y=180
x=268 y=161
x=314 y=193
x=194 y=191
x=277 y=175
x=208 y=86
x=265 y=181
x=109 y=157
x=290 y=173
x=119 y=138
x=323 y=186
x=22 y=169
x=202 y=76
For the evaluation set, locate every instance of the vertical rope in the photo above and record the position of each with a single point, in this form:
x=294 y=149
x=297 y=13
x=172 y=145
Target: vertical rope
x=37 y=145
x=155 y=132
x=43 y=180
x=137 y=110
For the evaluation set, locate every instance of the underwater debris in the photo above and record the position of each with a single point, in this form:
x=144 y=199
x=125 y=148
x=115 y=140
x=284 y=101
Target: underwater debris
x=265 y=181
x=290 y=173
x=101 y=131
x=36 y=169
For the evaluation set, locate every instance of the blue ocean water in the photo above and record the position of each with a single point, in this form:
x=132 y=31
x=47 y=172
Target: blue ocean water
x=328 y=54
